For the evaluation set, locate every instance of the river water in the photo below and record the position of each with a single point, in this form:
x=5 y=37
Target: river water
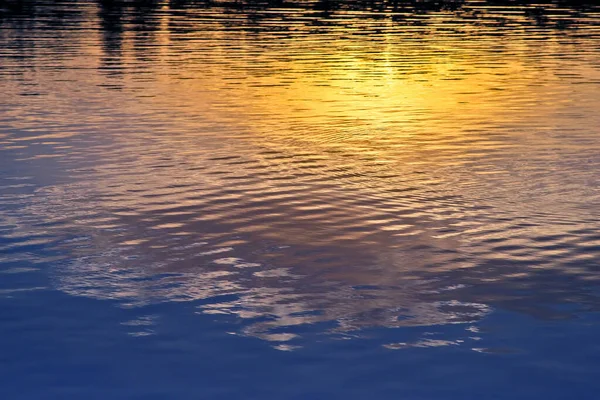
x=299 y=200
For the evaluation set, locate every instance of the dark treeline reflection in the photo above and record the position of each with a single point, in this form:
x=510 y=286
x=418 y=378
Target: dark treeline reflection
x=142 y=16
x=59 y=10
x=420 y=6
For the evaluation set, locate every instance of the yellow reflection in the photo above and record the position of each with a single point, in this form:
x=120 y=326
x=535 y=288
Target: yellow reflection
x=401 y=100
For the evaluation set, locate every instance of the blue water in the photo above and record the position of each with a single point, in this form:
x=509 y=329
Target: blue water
x=300 y=200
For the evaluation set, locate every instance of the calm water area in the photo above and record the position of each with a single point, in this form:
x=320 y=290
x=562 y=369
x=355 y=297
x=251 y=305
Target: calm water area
x=299 y=199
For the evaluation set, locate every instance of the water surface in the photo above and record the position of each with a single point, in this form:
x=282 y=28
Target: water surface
x=299 y=199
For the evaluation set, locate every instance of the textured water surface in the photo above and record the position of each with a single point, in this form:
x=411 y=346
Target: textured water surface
x=400 y=197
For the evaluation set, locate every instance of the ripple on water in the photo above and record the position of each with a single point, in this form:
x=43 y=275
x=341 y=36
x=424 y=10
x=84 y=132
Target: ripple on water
x=292 y=167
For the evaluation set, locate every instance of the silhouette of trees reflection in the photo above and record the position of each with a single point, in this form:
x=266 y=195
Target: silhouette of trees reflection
x=117 y=16
x=143 y=16
x=22 y=17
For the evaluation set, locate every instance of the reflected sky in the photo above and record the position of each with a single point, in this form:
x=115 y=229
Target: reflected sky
x=307 y=164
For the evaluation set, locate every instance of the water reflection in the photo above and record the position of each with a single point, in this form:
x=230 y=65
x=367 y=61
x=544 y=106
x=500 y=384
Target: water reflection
x=318 y=163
